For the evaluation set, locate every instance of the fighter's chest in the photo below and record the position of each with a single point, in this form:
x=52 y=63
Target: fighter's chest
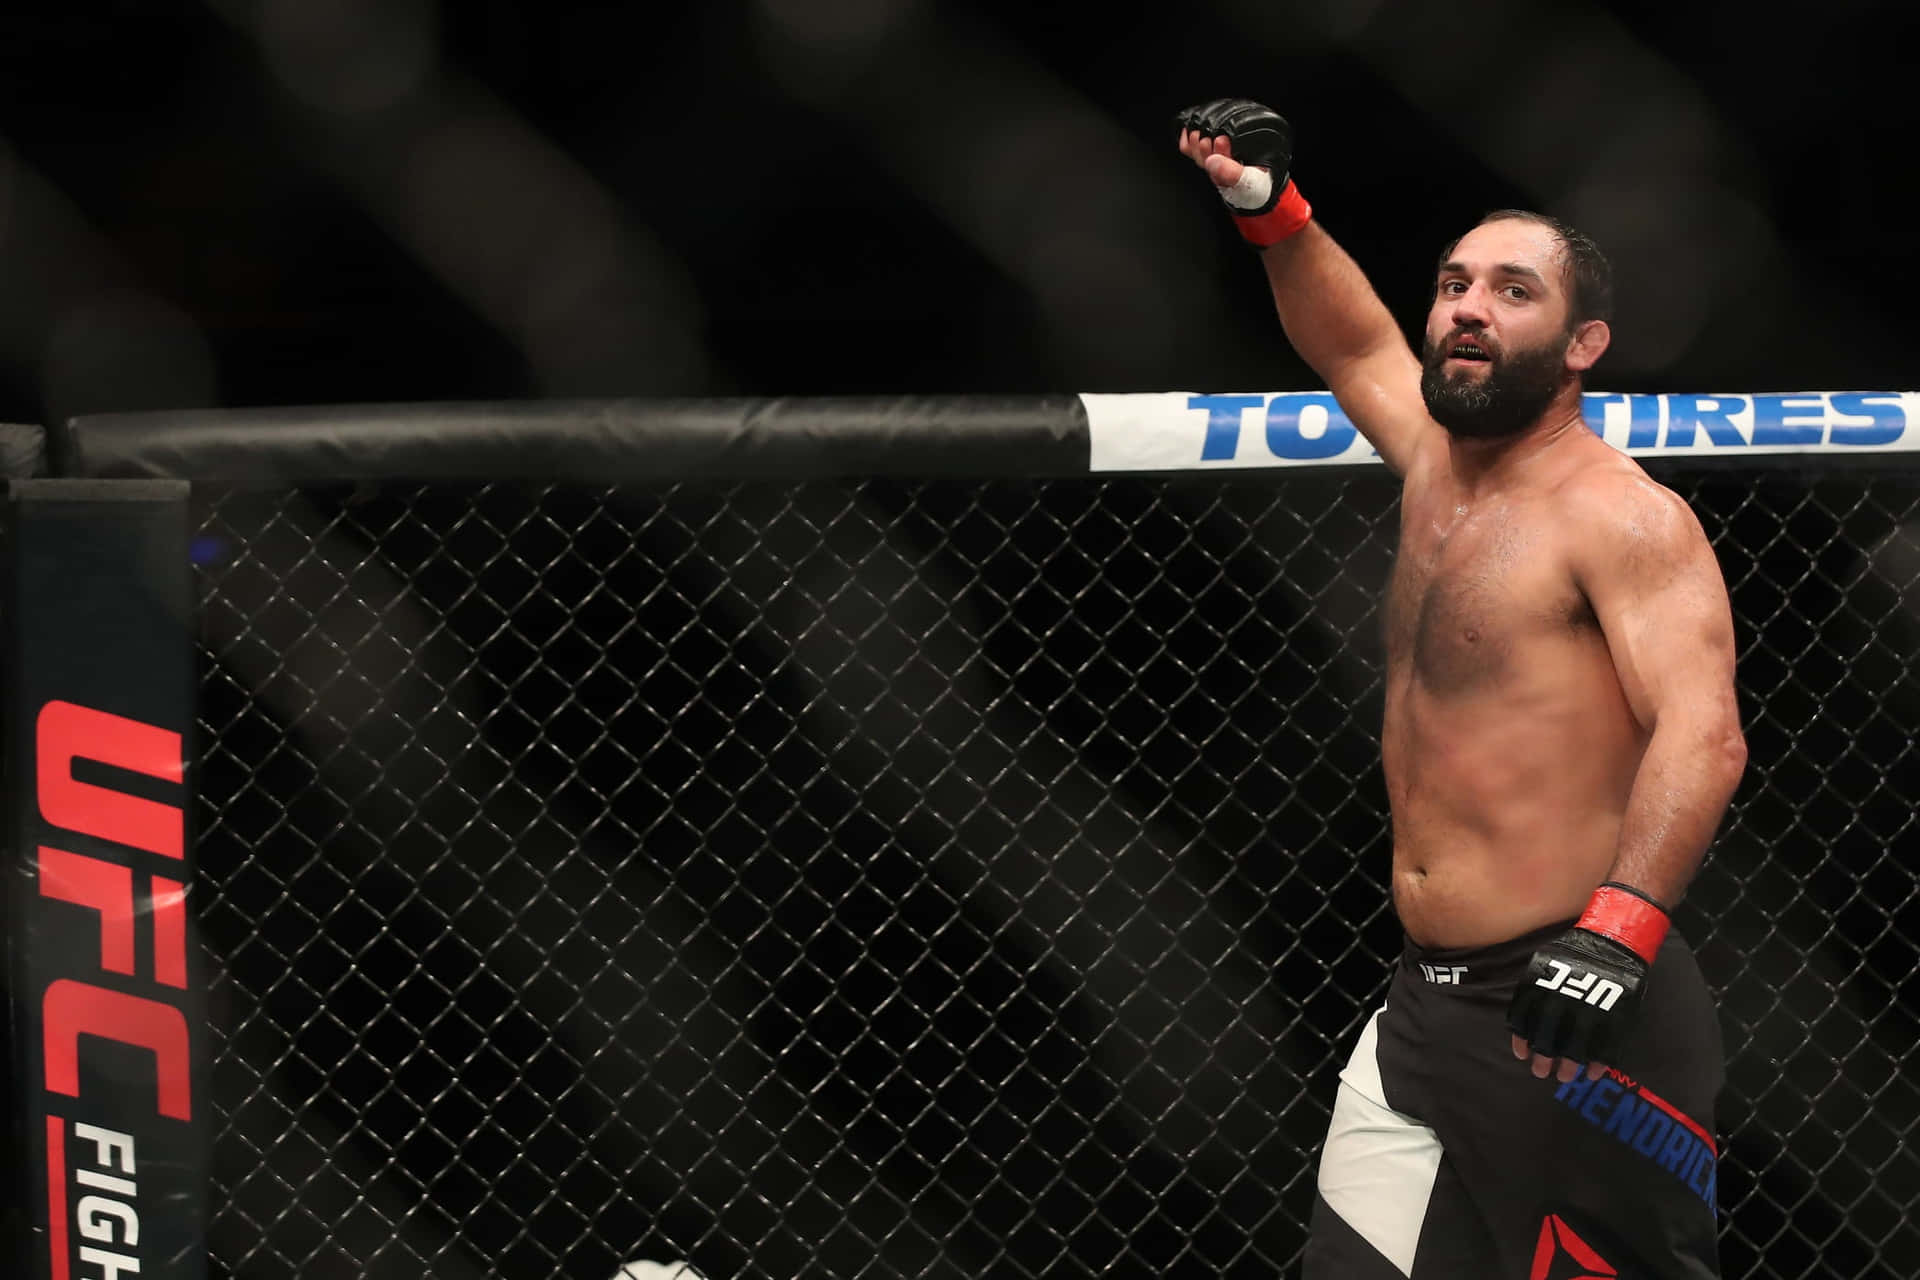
x=1471 y=590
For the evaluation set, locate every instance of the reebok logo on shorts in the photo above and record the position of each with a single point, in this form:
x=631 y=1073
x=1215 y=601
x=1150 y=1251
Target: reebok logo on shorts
x=1648 y=1123
x=1562 y=1255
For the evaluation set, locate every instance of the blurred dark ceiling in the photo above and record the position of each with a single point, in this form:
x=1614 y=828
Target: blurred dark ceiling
x=247 y=202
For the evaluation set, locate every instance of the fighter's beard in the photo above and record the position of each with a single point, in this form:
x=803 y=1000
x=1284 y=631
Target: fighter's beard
x=1508 y=400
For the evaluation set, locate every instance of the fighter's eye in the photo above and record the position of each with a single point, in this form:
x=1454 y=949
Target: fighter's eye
x=1453 y=286
x=1517 y=292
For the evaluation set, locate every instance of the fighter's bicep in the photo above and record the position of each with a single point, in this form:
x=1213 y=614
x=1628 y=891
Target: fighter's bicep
x=1655 y=587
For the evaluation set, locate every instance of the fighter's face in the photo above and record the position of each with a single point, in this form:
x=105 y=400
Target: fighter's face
x=1497 y=336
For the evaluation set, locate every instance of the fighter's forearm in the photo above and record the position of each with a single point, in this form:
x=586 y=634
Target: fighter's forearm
x=1686 y=779
x=1330 y=312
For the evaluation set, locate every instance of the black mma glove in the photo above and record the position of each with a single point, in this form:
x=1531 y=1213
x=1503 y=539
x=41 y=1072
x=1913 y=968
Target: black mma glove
x=1582 y=991
x=1267 y=207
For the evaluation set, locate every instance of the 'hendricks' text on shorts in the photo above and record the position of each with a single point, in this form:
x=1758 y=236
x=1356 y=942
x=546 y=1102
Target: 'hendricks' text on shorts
x=1650 y=1125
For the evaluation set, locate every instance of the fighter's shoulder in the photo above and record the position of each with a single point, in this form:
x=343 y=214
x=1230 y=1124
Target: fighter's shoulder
x=1613 y=487
x=1613 y=506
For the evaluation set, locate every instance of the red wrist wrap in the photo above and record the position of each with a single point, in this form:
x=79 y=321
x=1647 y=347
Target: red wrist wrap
x=1630 y=920
x=1289 y=213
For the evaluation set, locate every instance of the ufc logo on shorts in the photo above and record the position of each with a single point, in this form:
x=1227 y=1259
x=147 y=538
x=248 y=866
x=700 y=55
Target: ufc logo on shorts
x=1591 y=987
x=1445 y=974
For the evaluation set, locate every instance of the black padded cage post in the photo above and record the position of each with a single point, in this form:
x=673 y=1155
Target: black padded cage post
x=854 y=838
x=108 y=1028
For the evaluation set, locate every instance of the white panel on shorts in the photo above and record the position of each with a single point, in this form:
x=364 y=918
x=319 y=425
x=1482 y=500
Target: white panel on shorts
x=1378 y=1167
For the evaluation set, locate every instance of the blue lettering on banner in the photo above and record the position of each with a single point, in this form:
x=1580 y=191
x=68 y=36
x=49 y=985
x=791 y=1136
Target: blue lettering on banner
x=1223 y=423
x=1305 y=426
x=1788 y=419
x=1619 y=1110
x=1688 y=415
x=1643 y=416
x=1286 y=427
x=1300 y=425
x=1804 y=420
x=1888 y=419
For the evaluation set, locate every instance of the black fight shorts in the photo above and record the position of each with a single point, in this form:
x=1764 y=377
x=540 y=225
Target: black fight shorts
x=1447 y=1160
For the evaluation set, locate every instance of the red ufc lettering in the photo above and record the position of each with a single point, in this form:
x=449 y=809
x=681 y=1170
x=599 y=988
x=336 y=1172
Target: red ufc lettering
x=73 y=1009
x=169 y=932
x=65 y=732
x=107 y=887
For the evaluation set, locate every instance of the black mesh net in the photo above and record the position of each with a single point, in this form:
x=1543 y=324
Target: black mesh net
x=887 y=879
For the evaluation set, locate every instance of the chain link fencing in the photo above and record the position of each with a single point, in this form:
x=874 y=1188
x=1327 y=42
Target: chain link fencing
x=885 y=879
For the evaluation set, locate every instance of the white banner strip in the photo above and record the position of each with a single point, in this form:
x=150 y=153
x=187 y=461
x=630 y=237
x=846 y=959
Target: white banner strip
x=1182 y=431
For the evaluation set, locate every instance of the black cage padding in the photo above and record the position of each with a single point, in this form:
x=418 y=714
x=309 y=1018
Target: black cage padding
x=596 y=442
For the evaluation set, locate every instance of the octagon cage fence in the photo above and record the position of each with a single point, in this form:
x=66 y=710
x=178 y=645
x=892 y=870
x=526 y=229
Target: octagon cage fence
x=857 y=838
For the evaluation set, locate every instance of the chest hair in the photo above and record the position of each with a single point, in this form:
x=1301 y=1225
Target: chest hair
x=1463 y=602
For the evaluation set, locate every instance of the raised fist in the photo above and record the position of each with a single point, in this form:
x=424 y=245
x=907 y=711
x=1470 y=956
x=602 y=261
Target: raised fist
x=1247 y=149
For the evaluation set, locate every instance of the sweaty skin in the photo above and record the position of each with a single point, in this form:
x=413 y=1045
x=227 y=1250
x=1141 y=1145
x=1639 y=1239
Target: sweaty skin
x=1509 y=747
x=1560 y=703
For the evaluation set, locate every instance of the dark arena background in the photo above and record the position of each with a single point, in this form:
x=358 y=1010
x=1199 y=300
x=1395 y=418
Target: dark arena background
x=713 y=734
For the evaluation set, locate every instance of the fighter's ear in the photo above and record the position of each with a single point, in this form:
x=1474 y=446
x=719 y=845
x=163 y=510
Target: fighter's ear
x=1589 y=343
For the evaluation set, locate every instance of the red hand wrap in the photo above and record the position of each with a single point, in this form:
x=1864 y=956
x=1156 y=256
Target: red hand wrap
x=1629 y=919
x=1289 y=213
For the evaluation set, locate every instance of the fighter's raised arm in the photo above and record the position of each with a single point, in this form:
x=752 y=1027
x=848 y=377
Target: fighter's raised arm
x=1331 y=314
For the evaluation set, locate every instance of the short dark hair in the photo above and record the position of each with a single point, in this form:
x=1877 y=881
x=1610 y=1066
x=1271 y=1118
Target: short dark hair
x=1589 y=274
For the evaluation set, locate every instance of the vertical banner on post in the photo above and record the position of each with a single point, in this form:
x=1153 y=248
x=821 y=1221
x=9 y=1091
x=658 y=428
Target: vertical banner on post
x=106 y=988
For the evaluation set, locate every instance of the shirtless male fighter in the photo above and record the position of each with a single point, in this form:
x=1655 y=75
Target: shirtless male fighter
x=1560 y=743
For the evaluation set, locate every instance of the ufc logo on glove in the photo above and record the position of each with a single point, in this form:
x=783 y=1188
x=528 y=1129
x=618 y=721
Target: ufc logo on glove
x=1589 y=986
